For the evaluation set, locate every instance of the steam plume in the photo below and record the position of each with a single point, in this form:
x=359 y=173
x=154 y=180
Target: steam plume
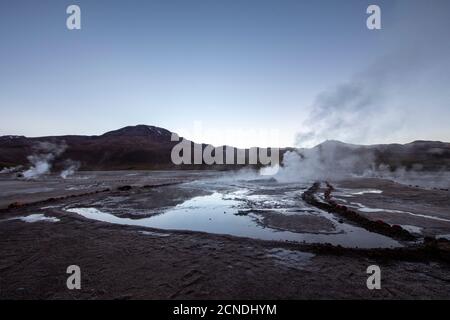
x=71 y=168
x=392 y=97
x=42 y=160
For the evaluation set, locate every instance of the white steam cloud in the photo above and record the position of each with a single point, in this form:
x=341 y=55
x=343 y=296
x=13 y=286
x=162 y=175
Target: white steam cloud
x=42 y=160
x=402 y=95
x=71 y=168
x=328 y=161
x=335 y=161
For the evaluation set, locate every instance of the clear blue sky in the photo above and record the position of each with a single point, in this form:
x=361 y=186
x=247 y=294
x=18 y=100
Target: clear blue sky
x=227 y=64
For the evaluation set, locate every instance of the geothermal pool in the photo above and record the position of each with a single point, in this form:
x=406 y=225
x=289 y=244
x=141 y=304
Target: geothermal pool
x=240 y=208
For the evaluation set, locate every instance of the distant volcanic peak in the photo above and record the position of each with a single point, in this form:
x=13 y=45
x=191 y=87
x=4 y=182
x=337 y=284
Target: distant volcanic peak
x=334 y=144
x=140 y=131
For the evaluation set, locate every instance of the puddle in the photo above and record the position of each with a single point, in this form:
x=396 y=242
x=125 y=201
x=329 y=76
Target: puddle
x=412 y=229
x=50 y=207
x=155 y=234
x=85 y=186
x=34 y=218
x=289 y=258
x=342 y=192
x=217 y=213
x=363 y=208
x=366 y=192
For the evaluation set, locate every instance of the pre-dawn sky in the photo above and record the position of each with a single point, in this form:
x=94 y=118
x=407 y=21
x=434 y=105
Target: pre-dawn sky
x=249 y=72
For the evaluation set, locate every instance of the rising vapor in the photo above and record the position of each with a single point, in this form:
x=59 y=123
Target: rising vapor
x=42 y=159
x=394 y=94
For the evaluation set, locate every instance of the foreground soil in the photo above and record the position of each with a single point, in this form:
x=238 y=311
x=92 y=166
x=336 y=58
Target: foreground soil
x=121 y=263
x=124 y=262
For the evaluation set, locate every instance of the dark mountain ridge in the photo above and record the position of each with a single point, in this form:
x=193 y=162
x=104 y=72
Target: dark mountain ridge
x=149 y=147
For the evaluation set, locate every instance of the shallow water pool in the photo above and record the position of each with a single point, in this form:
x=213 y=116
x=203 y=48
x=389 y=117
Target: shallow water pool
x=218 y=213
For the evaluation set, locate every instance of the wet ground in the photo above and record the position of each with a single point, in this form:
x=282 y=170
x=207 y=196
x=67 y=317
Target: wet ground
x=206 y=234
x=425 y=212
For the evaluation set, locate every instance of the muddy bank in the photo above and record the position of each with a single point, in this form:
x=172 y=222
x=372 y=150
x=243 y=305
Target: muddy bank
x=426 y=212
x=294 y=223
x=53 y=186
x=330 y=205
